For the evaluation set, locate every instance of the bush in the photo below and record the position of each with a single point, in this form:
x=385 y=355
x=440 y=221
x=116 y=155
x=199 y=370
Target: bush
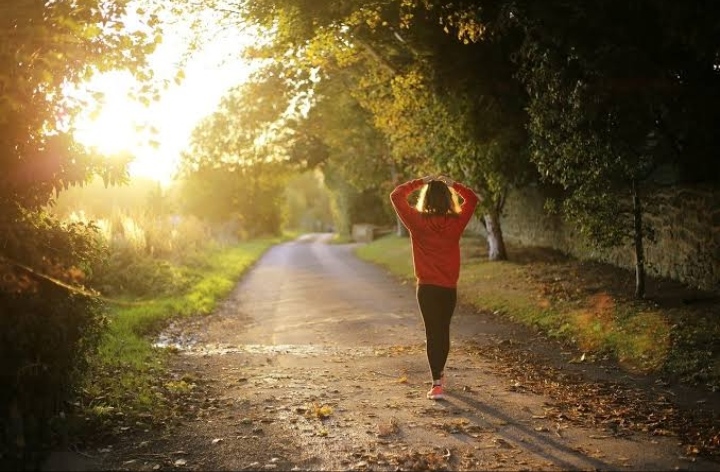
x=130 y=273
x=48 y=327
x=144 y=253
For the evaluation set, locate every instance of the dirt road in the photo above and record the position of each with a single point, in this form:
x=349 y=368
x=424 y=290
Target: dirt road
x=317 y=362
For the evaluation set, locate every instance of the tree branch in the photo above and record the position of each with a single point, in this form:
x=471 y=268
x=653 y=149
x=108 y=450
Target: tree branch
x=384 y=63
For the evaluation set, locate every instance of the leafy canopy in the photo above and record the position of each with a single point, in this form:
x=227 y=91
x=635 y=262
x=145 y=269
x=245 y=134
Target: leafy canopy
x=46 y=48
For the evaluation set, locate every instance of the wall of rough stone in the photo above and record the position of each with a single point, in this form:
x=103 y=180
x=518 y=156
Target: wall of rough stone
x=686 y=222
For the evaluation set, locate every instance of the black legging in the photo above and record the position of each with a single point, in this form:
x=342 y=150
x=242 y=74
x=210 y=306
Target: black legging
x=437 y=305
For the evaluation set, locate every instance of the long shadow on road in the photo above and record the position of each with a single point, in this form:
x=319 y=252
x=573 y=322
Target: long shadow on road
x=540 y=445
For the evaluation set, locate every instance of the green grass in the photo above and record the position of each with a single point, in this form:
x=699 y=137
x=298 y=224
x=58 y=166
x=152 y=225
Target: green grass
x=495 y=287
x=391 y=252
x=127 y=369
x=341 y=239
x=569 y=300
x=487 y=286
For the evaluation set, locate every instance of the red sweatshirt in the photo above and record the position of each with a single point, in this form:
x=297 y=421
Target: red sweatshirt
x=435 y=239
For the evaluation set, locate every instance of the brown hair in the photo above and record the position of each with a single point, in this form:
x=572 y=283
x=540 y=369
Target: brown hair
x=436 y=198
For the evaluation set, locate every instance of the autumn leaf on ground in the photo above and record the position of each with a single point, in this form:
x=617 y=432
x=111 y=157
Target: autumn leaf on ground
x=388 y=429
x=320 y=411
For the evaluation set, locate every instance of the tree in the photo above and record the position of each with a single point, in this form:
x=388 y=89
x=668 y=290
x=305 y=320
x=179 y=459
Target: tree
x=441 y=92
x=233 y=170
x=304 y=123
x=466 y=104
x=247 y=197
x=612 y=101
x=46 y=48
x=308 y=203
x=48 y=321
x=356 y=163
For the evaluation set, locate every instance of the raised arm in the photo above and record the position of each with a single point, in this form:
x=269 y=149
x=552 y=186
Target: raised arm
x=469 y=204
x=399 y=198
x=470 y=199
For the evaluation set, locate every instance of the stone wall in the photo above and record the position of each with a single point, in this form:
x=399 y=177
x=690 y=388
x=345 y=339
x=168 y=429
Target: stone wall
x=686 y=221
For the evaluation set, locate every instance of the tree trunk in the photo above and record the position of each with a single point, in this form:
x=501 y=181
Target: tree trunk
x=639 y=249
x=341 y=212
x=496 y=243
x=400 y=228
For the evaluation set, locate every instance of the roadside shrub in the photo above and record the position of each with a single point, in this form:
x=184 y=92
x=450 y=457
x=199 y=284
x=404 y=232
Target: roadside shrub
x=129 y=273
x=143 y=252
x=49 y=325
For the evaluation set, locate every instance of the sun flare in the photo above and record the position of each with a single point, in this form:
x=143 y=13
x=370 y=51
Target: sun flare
x=156 y=134
x=113 y=126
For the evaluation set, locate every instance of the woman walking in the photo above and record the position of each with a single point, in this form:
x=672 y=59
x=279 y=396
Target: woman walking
x=435 y=225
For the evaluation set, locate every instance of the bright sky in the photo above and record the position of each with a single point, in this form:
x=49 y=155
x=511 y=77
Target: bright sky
x=208 y=75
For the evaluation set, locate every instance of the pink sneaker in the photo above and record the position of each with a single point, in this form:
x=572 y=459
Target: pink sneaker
x=437 y=392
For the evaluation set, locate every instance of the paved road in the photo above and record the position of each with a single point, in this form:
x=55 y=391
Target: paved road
x=317 y=362
x=308 y=292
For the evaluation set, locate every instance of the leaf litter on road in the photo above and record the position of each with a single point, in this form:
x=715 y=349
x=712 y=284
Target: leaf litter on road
x=621 y=409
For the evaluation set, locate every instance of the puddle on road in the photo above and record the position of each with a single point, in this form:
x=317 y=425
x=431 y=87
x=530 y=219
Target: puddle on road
x=289 y=349
x=177 y=342
x=191 y=347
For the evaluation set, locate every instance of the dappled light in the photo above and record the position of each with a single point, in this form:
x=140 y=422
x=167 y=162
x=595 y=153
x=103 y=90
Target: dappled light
x=639 y=340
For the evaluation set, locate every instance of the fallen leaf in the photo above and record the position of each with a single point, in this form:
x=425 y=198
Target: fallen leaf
x=502 y=443
x=387 y=429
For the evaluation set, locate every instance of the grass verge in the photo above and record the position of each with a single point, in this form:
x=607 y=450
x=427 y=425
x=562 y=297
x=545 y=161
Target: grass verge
x=675 y=331
x=127 y=385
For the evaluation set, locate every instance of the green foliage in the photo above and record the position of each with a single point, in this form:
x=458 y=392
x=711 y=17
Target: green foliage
x=145 y=243
x=356 y=150
x=307 y=204
x=357 y=163
x=233 y=171
x=129 y=273
x=143 y=253
x=435 y=93
x=49 y=323
x=371 y=206
x=47 y=331
x=45 y=49
x=248 y=197
x=610 y=105
x=605 y=92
